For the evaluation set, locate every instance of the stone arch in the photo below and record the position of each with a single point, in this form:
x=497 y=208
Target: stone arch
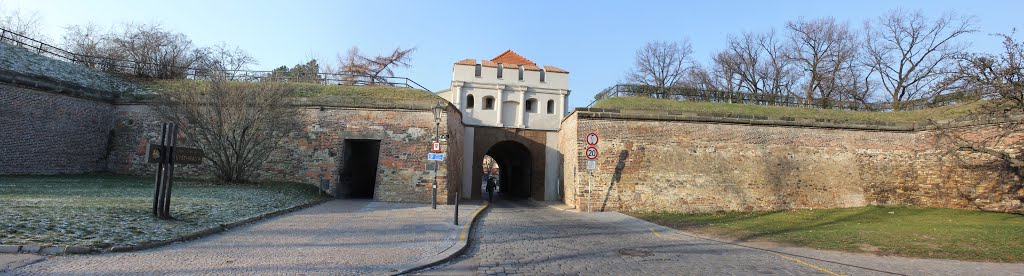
x=511 y=148
x=515 y=164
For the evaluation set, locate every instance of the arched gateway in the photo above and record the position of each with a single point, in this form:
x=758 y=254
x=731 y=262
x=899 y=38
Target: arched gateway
x=510 y=124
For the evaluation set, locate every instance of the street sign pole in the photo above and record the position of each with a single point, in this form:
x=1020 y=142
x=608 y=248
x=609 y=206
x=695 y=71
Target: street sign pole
x=590 y=187
x=591 y=153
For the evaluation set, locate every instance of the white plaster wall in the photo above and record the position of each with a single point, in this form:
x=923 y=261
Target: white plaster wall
x=467 y=163
x=508 y=113
x=507 y=96
x=552 y=164
x=467 y=73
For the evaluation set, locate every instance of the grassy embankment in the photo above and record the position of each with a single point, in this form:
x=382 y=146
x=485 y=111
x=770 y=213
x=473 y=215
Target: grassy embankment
x=327 y=95
x=727 y=109
x=903 y=231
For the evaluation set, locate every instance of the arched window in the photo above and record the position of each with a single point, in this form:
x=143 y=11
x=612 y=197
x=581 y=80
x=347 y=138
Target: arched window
x=469 y=101
x=488 y=103
x=551 y=106
x=531 y=105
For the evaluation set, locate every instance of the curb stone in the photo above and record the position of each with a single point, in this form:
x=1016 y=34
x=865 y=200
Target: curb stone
x=10 y=248
x=452 y=252
x=29 y=248
x=59 y=250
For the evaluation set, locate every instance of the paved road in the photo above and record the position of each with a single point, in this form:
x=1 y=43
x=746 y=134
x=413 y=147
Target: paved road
x=529 y=239
x=337 y=237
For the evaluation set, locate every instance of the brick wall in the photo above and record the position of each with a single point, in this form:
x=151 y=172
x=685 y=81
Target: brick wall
x=695 y=166
x=314 y=149
x=454 y=152
x=569 y=146
x=48 y=133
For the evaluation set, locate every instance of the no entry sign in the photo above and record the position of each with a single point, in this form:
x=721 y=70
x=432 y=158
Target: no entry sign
x=592 y=139
x=591 y=153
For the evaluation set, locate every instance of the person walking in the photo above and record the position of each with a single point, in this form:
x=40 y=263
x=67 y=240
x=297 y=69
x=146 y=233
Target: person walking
x=490 y=189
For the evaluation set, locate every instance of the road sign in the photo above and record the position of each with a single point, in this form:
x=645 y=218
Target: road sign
x=435 y=146
x=591 y=165
x=592 y=139
x=435 y=156
x=591 y=153
x=182 y=155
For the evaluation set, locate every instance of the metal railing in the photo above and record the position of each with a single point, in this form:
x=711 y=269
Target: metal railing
x=682 y=93
x=120 y=67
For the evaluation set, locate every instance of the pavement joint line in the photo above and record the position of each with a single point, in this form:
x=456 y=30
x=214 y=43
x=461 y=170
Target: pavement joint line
x=462 y=243
x=780 y=253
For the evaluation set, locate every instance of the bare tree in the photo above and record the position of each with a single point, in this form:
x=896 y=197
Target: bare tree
x=743 y=58
x=996 y=128
x=825 y=50
x=26 y=24
x=660 y=65
x=86 y=41
x=778 y=71
x=222 y=57
x=138 y=50
x=374 y=70
x=237 y=125
x=760 y=65
x=909 y=52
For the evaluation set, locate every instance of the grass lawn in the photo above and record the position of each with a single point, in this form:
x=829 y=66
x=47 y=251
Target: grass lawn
x=904 y=231
x=379 y=96
x=916 y=116
x=106 y=210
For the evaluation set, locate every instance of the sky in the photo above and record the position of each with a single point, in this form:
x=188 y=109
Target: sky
x=594 y=40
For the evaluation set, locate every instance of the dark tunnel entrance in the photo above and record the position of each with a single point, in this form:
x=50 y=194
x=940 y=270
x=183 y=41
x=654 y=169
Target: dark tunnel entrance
x=358 y=174
x=515 y=167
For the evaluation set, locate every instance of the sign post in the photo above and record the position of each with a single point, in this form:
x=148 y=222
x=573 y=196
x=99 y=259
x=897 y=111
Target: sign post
x=166 y=154
x=591 y=153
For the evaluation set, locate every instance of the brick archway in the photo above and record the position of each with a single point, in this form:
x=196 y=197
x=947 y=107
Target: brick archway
x=515 y=166
x=520 y=151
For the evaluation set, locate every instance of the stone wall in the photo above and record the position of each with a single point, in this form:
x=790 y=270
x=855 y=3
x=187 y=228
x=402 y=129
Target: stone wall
x=49 y=133
x=569 y=146
x=314 y=149
x=454 y=152
x=687 y=164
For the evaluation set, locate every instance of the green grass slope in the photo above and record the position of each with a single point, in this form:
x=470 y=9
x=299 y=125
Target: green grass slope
x=727 y=109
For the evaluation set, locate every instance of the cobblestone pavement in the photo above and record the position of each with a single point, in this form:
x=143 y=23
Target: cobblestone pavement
x=337 y=237
x=529 y=239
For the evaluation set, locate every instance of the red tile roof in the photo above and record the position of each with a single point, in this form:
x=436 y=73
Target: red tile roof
x=488 y=63
x=510 y=57
x=467 y=61
x=553 y=69
x=531 y=67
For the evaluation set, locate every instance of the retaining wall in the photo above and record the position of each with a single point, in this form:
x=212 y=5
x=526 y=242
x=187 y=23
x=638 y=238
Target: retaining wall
x=689 y=163
x=47 y=133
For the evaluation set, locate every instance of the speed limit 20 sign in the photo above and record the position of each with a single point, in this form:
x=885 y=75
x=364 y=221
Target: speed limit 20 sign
x=591 y=153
